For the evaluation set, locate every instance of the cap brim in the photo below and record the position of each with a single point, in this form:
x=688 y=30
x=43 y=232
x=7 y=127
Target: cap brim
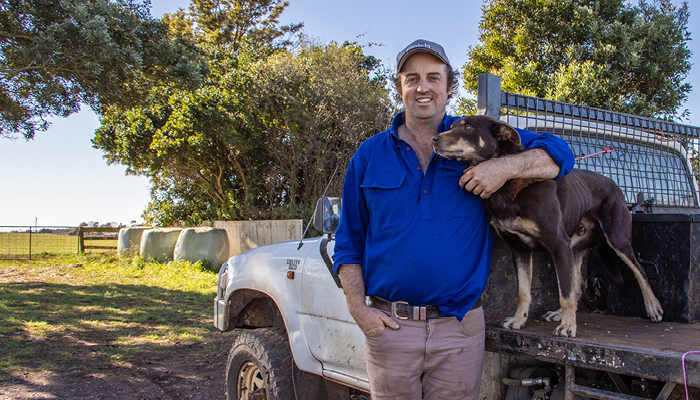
x=417 y=50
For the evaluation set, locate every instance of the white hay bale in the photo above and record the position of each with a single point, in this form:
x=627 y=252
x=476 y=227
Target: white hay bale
x=159 y=243
x=203 y=244
x=129 y=240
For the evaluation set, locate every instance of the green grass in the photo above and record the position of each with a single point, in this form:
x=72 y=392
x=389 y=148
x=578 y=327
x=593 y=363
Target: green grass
x=14 y=244
x=17 y=244
x=54 y=308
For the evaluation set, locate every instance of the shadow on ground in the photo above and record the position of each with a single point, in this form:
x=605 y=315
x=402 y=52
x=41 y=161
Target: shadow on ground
x=108 y=342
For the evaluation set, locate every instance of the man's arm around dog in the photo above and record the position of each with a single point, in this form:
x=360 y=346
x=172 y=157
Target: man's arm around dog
x=487 y=177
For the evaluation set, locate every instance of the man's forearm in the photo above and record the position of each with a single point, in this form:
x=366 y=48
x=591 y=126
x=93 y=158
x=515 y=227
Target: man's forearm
x=353 y=280
x=486 y=178
x=535 y=163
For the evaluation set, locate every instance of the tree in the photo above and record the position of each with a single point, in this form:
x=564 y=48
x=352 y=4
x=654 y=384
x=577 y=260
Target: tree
x=259 y=138
x=197 y=146
x=57 y=55
x=237 y=22
x=317 y=105
x=602 y=53
x=226 y=26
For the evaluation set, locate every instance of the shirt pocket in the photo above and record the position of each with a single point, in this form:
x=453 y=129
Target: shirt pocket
x=456 y=202
x=387 y=201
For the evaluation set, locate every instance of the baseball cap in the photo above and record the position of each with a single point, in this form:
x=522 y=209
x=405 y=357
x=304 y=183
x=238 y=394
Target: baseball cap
x=421 y=46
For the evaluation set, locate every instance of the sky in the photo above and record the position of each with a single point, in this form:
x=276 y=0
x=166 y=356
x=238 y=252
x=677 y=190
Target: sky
x=58 y=179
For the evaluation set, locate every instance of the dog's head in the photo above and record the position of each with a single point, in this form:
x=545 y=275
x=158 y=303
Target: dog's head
x=477 y=138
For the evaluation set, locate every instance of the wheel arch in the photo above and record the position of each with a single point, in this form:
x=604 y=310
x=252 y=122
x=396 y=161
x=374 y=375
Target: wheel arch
x=254 y=309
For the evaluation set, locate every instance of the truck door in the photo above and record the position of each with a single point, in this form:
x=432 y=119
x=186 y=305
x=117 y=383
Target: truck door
x=333 y=337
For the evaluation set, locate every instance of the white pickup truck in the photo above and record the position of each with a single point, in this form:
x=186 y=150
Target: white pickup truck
x=296 y=339
x=288 y=295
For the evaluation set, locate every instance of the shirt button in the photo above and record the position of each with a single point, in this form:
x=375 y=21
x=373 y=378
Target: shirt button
x=425 y=191
x=417 y=168
x=408 y=149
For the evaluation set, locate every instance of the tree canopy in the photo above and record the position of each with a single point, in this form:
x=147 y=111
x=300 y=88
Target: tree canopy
x=57 y=55
x=602 y=53
x=262 y=134
x=226 y=26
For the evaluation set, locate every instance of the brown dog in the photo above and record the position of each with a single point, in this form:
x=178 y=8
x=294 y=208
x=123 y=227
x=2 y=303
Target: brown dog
x=565 y=217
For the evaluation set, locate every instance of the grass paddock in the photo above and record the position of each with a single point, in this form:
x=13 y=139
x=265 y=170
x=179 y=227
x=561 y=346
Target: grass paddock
x=19 y=245
x=121 y=309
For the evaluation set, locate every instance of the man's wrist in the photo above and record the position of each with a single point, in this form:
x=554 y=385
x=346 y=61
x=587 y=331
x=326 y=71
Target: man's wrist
x=352 y=278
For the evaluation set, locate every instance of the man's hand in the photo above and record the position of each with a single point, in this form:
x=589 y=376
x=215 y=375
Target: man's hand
x=369 y=319
x=486 y=178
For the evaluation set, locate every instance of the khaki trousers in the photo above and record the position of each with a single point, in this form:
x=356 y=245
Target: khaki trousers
x=434 y=360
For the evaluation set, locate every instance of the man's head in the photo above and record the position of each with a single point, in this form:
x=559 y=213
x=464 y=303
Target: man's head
x=433 y=49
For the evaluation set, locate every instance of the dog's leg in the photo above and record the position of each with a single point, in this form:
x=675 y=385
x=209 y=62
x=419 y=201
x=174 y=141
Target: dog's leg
x=523 y=266
x=616 y=223
x=651 y=303
x=567 y=327
x=567 y=279
x=578 y=258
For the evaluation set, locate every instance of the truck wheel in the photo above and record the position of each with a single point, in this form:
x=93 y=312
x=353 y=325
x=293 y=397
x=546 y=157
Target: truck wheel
x=260 y=366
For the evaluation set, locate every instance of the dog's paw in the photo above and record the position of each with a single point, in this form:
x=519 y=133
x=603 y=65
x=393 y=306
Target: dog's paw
x=654 y=310
x=565 y=330
x=552 y=316
x=513 y=322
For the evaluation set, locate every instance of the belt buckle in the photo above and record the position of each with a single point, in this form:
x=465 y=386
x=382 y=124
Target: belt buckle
x=394 y=310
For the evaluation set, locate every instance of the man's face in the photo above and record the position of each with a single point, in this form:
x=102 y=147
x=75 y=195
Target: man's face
x=424 y=87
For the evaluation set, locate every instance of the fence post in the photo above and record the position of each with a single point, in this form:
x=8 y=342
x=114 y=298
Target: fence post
x=81 y=243
x=30 y=243
x=488 y=101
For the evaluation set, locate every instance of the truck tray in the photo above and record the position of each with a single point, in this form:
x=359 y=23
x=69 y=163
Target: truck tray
x=622 y=345
x=667 y=246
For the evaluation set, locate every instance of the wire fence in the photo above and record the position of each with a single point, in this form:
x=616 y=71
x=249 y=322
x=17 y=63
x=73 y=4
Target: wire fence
x=27 y=242
x=655 y=162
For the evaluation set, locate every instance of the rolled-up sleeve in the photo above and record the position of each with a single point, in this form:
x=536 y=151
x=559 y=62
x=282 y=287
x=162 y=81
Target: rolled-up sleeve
x=556 y=147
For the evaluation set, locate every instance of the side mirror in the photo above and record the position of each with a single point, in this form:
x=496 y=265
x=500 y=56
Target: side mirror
x=327 y=214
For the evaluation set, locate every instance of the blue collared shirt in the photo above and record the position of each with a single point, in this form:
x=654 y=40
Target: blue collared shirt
x=420 y=237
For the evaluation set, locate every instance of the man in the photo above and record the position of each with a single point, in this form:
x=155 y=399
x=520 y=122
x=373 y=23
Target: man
x=414 y=237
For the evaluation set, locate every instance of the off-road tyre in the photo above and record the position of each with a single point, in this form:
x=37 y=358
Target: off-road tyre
x=260 y=357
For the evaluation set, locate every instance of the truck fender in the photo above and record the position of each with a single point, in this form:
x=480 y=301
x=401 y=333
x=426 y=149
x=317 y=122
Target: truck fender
x=255 y=309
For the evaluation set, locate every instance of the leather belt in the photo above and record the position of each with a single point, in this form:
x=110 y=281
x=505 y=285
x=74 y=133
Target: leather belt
x=403 y=310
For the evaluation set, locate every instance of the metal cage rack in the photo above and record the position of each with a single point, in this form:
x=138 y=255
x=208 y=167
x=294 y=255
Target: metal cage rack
x=655 y=162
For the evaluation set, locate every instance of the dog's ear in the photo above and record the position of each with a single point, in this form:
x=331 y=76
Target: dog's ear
x=504 y=132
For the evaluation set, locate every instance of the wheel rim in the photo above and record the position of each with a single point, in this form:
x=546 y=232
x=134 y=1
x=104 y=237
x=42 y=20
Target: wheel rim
x=250 y=379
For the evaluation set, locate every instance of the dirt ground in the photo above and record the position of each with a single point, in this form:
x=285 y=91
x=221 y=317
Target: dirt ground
x=88 y=362
x=191 y=372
